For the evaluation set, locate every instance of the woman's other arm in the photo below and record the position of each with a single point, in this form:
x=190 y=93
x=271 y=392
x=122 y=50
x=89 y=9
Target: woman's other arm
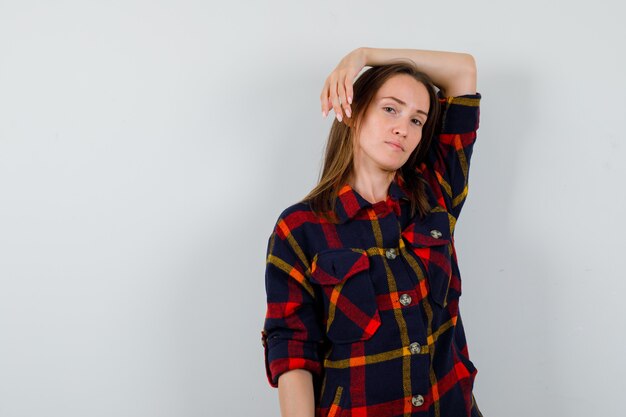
x=453 y=72
x=291 y=334
x=295 y=394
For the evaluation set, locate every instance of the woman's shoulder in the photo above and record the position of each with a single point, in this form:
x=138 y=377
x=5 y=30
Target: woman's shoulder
x=300 y=209
x=299 y=227
x=296 y=219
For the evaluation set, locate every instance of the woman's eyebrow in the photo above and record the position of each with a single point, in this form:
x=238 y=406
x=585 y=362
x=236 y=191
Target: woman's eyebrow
x=404 y=104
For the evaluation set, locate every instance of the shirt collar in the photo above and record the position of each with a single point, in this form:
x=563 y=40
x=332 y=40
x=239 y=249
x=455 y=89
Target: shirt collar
x=350 y=202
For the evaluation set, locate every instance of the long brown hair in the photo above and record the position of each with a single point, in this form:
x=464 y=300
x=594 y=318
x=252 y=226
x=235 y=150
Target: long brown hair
x=339 y=154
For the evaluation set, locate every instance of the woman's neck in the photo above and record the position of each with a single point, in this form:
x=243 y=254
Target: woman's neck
x=372 y=187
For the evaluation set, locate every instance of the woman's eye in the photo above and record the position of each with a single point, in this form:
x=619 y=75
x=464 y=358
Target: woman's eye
x=417 y=122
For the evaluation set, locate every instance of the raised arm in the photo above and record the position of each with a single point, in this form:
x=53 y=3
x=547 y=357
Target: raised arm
x=452 y=72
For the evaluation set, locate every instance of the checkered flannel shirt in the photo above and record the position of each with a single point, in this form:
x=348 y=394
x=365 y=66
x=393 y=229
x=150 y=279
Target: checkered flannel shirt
x=370 y=306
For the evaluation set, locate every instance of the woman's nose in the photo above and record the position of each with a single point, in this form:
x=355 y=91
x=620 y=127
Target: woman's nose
x=401 y=127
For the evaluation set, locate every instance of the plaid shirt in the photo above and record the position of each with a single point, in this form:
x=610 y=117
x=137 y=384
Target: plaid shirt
x=370 y=306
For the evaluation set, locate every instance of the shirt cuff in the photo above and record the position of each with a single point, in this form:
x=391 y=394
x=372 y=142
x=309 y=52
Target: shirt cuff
x=460 y=114
x=277 y=363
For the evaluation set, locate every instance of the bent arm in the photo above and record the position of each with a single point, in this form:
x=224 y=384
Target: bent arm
x=291 y=333
x=295 y=394
x=453 y=72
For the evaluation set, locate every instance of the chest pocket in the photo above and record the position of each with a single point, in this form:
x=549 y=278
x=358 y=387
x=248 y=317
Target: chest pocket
x=430 y=240
x=350 y=308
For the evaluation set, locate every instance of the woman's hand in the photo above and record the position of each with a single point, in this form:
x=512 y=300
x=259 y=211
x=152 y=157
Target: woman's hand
x=337 y=90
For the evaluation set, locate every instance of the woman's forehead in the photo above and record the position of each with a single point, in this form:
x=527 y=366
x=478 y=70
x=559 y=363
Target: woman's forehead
x=402 y=86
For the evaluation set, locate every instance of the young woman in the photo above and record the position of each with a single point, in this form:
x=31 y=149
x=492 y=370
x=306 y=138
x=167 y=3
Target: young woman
x=362 y=278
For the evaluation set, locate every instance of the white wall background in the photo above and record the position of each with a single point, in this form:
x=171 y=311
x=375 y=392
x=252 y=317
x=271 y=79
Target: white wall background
x=147 y=147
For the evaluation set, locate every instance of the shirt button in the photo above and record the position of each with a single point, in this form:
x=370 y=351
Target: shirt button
x=391 y=253
x=405 y=299
x=417 y=400
x=414 y=347
x=436 y=233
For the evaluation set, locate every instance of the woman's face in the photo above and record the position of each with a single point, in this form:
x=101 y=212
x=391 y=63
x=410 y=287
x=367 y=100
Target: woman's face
x=392 y=125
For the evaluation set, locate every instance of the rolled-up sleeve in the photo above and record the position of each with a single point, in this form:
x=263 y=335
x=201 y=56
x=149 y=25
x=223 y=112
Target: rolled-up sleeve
x=450 y=155
x=291 y=335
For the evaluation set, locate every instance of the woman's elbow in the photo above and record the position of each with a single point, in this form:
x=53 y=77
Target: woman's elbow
x=469 y=63
x=468 y=69
x=463 y=81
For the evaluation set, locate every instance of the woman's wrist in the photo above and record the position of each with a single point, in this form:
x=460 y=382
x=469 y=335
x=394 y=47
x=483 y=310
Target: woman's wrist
x=372 y=56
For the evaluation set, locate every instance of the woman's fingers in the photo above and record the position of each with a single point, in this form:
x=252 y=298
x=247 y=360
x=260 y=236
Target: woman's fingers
x=335 y=95
x=337 y=92
x=349 y=90
x=347 y=95
x=344 y=107
x=325 y=99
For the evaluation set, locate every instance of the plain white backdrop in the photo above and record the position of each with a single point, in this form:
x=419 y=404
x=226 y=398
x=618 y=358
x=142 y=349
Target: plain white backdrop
x=147 y=148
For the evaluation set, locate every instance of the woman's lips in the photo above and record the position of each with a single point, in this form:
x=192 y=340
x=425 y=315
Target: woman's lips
x=395 y=145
